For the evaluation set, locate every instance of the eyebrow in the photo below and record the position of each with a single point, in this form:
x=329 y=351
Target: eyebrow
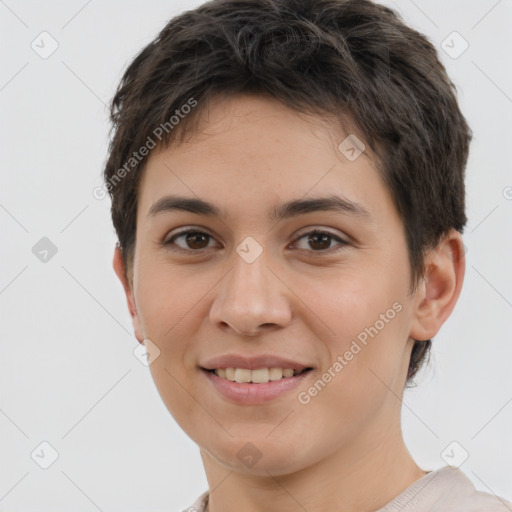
x=280 y=212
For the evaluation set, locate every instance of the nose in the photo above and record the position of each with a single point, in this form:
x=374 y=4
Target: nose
x=251 y=299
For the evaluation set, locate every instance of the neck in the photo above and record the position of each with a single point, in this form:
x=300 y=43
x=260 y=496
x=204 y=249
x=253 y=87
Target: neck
x=364 y=476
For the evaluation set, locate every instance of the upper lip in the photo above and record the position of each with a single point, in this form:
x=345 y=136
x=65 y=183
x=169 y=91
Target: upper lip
x=252 y=362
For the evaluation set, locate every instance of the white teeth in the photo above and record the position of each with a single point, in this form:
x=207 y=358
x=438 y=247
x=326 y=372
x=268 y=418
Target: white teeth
x=242 y=375
x=259 y=376
x=275 y=373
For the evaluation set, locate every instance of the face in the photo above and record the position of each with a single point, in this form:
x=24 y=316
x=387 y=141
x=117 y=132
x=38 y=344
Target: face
x=245 y=282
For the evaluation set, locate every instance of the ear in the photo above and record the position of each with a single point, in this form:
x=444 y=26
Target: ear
x=120 y=270
x=439 y=291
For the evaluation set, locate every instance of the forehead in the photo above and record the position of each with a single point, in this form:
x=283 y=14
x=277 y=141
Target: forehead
x=249 y=151
x=246 y=124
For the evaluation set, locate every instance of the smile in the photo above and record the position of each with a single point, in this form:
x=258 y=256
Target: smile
x=258 y=376
x=255 y=387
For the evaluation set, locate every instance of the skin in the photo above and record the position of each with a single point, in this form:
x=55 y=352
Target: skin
x=344 y=450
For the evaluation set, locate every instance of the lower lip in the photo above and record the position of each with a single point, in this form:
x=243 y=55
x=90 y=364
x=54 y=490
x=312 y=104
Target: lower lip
x=249 y=394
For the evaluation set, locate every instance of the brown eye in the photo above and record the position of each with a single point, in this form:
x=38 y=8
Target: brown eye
x=191 y=240
x=320 y=241
x=197 y=240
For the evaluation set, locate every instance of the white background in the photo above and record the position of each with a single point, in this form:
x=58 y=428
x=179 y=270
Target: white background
x=67 y=372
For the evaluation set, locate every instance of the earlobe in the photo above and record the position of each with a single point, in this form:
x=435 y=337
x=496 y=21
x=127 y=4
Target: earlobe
x=440 y=288
x=119 y=269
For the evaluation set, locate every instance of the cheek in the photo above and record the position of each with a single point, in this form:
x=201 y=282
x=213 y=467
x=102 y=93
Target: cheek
x=164 y=298
x=367 y=316
x=351 y=392
x=170 y=320
x=355 y=303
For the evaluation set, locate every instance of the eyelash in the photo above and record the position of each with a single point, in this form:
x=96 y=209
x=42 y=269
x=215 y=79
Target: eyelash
x=342 y=243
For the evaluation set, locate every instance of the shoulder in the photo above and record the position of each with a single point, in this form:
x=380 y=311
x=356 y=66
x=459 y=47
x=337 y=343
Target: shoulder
x=471 y=500
x=446 y=489
x=200 y=504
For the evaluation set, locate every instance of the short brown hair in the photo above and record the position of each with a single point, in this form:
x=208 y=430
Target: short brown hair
x=352 y=59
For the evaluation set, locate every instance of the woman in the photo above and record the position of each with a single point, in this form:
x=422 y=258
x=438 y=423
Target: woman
x=287 y=183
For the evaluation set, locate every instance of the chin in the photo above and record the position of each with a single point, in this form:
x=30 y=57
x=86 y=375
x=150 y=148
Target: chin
x=259 y=457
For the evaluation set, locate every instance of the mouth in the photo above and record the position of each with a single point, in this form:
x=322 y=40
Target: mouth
x=256 y=376
x=244 y=386
x=252 y=379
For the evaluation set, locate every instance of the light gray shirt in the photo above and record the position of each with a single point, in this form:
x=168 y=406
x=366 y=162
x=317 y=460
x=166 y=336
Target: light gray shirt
x=445 y=490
